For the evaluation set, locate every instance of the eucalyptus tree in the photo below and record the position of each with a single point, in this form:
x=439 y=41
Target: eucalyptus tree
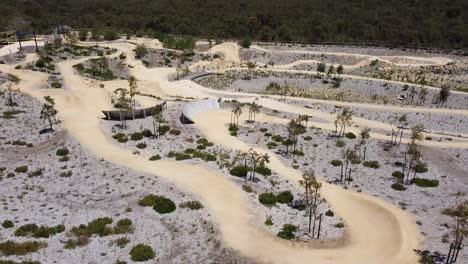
x=48 y=111
x=312 y=197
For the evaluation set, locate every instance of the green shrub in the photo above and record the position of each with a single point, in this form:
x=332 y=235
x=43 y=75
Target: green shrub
x=164 y=205
x=164 y=129
x=269 y=221
x=329 y=213
x=192 y=205
x=136 y=136
x=307 y=138
x=8 y=224
x=398 y=174
x=146 y=133
x=340 y=143
x=398 y=187
x=122 y=242
x=247 y=188
x=336 y=163
x=268 y=199
x=422 y=182
x=272 y=145
x=239 y=171
x=141 y=252
x=62 y=152
x=9 y=248
x=56 y=85
x=175 y=132
x=277 y=138
x=339 y=225
x=155 y=157
x=421 y=168
x=371 y=164
x=21 y=169
x=99 y=226
x=120 y=137
x=285 y=197
x=123 y=226
x=22 y=262
x=263 y=129
x=298 y=153
x=265 y=171
x=350 y=135
x=178 y=155
x=287 y=232
x=141 y=145
x=148 y=200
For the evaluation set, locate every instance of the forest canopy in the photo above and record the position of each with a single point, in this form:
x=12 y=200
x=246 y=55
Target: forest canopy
x=424 y=23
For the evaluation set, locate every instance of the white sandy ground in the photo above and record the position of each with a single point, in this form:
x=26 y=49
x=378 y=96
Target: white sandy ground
x=14 y=47
x=377 y=231
x=435 y=61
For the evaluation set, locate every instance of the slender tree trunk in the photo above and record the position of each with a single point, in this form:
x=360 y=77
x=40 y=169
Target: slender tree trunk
x=401 y=136
x=341 y=174
x=320 y=226
x=310 y=218
x=365 y=150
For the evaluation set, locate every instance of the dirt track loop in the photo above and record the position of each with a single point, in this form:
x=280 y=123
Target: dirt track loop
x=376 y=231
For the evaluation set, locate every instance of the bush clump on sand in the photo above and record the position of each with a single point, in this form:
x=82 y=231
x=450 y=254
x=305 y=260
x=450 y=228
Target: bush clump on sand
x=421 y=168
x=271 y=145
x=424 y=183
x=174 y=132
x=9 y=248
x=192 y=205
x=268 y=199
x=398 y=187
x=62 y=152
x=371 y=164
x=269 y=221
x=136 y=136
x=247 y=188
x=398 y=174
x=239 y=171
x=329 y=213
x=155 y=157
x=340 y=143
x=287 y=232
x=160 y=204
x=36 y=231
x=336 y=163
x=285 y=197
x=8 y=224
x=21 y=169
x=178 y=155
x=142 y=252
x=120 y=137
x=350 y=135
x=141 y=145
x=263 y=170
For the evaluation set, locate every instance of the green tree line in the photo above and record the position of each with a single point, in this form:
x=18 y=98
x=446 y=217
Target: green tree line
x=428 y=23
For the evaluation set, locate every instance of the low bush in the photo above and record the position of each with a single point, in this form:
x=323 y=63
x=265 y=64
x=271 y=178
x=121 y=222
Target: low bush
x=398 y=174
x=36 y=173
x=269 y=221
x=350 y=135
x=339 y=225
x=9 y=248
x=329 y=213
x=120 y=137
x=287 y=232
x=164 y=129
x=142 y=252
x=8 y=224
x=62 y=152
x=123 y=226
x=239 y=171
x=192 y=205
x=340 y=143
x=336 y=163
x=298 y=153
x=174 y=132
x=141 y=145
x=136 y=136
x=155 y=157
x=21 y=169
x=272 y=145
x=161 y=204
x=178 y=155
x=263 y=129
x=22 y=262
x=147 y=133
x=277 y=138
x=268 y=199
x=398 y=187
x=122 y=242
x=36 y=231
x=307 y=138
x=56 y=85
x=247 y=188
x=371 y=164
x=285 y=197
x=425 y=183
x=64 y=158
x=265 y=171
x=421 y=168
